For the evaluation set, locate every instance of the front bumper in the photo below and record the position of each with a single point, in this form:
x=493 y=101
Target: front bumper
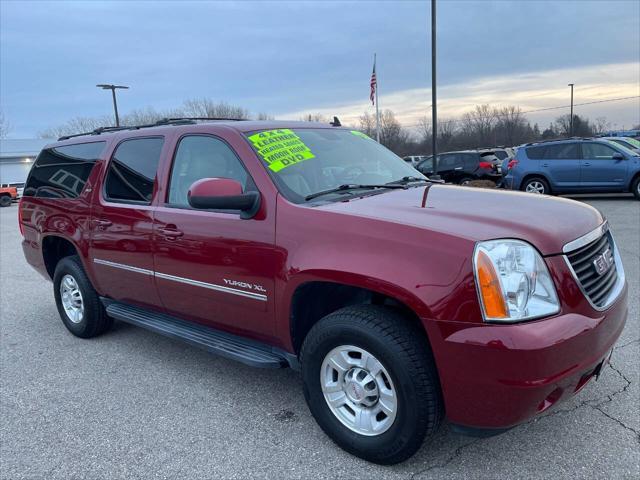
x=497 y=376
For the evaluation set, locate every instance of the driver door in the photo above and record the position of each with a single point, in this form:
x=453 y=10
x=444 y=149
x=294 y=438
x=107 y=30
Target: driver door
x=212 y=266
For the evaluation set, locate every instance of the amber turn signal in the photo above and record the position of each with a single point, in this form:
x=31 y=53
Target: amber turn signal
x=489 y=285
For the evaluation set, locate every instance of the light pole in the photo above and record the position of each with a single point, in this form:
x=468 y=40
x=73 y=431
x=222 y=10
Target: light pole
x=571 y=118
x=113 y=94
x=434 y=107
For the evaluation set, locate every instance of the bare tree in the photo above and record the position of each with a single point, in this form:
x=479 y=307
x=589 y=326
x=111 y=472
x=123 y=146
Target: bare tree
x=368 y=124
x=392 y=135
x=425 y=131
x=581 y=126
x=511 y=126
x=77 y=125
x=205 y=107
x=314 y=117
x=479 y=125
x=5 y=126
x=601 y=125
x=148 y=116
x=447 y=132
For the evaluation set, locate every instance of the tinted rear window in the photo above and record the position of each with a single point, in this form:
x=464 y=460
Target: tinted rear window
x=536 y=153
x=61 y=172
x=562 y=151
x=132 y=170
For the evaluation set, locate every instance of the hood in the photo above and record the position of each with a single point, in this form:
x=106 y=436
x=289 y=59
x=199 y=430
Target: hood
x=476 y=214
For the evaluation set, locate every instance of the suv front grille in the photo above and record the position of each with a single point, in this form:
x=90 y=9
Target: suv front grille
x=585 y=260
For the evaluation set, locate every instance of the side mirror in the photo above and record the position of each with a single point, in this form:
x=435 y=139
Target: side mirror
x=223 y=194
x=618 y=156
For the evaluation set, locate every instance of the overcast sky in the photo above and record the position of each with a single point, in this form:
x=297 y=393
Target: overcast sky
x=288 y=58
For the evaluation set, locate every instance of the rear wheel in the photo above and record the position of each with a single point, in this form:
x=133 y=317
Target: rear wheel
x=370 y=382
x=635 y=187
x=5 y=201
x=536 y=185
x=465 y=180
x=78 y=303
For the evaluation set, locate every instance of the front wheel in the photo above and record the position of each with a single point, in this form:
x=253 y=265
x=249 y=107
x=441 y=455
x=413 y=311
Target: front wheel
x=536 y=185
x=370 y=382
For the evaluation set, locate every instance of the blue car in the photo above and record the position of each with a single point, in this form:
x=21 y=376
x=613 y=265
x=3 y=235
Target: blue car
x=574 y=166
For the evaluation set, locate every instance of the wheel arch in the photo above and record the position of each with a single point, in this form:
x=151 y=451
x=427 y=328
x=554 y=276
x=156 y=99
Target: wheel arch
x=54 y=249
x=313 y=299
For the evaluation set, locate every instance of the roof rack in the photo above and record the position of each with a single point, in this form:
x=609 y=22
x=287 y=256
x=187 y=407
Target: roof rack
x=164 y=121
x=556 y=140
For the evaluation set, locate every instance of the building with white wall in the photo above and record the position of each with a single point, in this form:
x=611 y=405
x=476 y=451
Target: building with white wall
x=17 y=156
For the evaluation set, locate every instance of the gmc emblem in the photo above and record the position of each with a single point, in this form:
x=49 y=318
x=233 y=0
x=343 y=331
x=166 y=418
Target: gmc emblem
x=603 y=262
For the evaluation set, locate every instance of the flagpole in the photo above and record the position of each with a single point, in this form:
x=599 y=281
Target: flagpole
x=377 y=109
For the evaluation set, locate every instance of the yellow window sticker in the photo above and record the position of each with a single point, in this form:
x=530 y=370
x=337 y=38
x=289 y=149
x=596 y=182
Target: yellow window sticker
x=360 y=134
x=280 y=148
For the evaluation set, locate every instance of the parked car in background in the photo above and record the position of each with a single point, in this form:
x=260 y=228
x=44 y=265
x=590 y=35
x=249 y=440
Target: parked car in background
x=627 y=142
x=502 y=153
x=414 y=160
x=464 y=166
x=588 y=165
x=19 y=186
x=7 y=195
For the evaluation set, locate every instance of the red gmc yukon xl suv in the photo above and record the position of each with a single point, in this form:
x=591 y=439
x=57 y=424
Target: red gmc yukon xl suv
x=401 y=300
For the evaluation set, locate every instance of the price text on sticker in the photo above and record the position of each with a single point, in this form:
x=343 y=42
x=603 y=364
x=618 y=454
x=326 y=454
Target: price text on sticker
x=280 y=148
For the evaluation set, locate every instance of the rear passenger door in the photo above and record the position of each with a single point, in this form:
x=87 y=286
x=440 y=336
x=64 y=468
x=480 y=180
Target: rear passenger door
x=561 y=165
x=600 y=170
x=122 y=223
x=214 y=267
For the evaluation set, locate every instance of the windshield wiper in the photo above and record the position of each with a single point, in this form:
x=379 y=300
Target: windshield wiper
x=351 y=186
x=406 y=180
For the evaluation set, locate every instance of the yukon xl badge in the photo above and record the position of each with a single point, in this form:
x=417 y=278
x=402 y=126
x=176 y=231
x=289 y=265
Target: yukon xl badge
x=248 y=286
x=603 y=262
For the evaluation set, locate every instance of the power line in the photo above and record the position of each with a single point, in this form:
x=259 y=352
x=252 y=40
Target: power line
x=458 y=120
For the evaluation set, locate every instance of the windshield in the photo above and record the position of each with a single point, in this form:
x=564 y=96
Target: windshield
x=303 y=162
x=627 y=149
x=628 y=142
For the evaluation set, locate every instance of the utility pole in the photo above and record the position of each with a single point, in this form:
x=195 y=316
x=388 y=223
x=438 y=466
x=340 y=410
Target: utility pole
x=113 y=94
x=434 y=107
x=571 y=119
x=377 y=108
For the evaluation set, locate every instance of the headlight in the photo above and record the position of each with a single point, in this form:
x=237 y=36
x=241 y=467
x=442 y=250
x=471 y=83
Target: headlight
x=513 y=282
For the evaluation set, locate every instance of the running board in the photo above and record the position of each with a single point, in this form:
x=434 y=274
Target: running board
x=230 y=346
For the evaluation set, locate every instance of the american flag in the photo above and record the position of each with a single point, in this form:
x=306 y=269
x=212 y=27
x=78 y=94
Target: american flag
x=374 y=83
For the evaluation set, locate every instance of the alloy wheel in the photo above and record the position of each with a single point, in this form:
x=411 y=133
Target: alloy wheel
x=71 y=298
x=358 y=390
x=535 y=187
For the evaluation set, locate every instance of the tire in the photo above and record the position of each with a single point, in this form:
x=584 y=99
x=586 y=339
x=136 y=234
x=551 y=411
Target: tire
x=407 y=370
x=536 y=185
x=93 y=319
x=635 y=187
x=5 y=201
x=465 y=180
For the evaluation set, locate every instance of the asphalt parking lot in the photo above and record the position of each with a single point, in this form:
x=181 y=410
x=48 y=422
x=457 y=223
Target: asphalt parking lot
x=135 y=404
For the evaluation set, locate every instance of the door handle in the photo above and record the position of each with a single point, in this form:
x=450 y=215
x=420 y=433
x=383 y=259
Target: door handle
x=545 y=164
x=100 y=223
x=586 y=164
x=170 y=233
